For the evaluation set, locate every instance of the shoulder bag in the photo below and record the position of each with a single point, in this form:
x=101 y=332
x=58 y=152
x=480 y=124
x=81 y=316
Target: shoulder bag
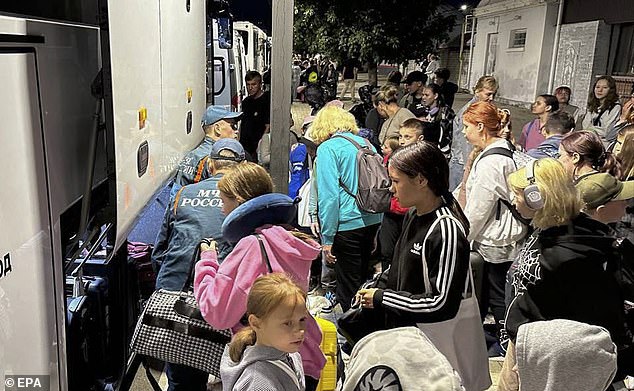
x=460 y=339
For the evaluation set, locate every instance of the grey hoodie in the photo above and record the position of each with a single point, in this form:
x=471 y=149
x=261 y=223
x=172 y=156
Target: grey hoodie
x=262 y=368
x=563 y=354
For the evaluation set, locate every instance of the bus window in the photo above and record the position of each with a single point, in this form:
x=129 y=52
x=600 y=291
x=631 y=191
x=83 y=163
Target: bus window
x=225 y=33
x=219 y=75
x=245 y=40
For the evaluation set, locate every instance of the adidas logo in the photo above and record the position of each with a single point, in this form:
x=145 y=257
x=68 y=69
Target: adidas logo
x=416 y=249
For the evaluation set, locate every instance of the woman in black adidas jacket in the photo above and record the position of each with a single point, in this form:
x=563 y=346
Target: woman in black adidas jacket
x=420 y=180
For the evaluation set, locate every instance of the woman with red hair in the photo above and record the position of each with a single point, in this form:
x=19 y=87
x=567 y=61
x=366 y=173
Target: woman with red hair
x=496 y=232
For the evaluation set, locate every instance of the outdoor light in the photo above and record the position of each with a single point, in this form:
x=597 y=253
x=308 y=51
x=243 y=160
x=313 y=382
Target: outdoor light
x=463 y=7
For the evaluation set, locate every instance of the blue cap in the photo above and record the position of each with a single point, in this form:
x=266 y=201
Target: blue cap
x=216 y=113
x=227 y=144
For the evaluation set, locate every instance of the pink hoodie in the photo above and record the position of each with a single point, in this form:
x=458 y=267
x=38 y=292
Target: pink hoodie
x=222 y=289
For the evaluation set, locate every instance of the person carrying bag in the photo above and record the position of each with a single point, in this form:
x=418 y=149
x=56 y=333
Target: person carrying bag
x=172 y=329
x=461 y=338
x=426 y=280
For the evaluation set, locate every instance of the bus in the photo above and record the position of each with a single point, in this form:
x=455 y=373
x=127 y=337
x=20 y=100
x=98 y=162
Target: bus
x=101 y=100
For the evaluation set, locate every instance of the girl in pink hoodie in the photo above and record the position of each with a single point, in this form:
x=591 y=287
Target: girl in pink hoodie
x=222 y=289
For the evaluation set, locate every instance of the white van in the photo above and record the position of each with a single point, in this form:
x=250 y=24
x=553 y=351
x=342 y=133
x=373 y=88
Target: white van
x=257 y=46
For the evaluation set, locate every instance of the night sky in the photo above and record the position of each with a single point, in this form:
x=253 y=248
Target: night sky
x=259 y=11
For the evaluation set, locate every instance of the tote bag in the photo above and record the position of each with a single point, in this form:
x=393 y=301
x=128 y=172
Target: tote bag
x=460 y=339
x=303 y=217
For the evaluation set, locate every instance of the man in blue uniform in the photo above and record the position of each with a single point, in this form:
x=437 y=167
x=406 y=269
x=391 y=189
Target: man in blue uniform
x=217 y=123
x=194 y=214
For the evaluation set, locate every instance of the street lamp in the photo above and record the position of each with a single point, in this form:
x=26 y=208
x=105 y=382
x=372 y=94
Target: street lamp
x=465 y=24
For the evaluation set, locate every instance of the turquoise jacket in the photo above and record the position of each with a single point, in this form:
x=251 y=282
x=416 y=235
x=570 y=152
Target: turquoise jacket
x=338 y=210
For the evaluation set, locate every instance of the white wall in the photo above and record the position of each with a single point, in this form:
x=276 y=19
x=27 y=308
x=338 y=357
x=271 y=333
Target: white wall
x=521 y=72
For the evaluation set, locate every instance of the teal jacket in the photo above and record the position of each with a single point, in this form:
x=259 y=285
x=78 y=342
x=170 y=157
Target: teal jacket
x=338 y=211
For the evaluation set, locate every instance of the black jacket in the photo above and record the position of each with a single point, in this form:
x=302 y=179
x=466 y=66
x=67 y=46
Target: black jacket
x=561 y=275
x=404 y=299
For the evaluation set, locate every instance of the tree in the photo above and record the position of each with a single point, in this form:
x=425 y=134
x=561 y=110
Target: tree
x=376 y=30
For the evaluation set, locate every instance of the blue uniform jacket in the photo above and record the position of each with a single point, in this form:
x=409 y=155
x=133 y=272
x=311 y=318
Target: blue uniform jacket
x=195 y=213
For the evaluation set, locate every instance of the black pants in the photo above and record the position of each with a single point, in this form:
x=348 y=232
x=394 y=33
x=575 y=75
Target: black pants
x=477 y=270
x=493 y=291
x=352 y=250
x=311 y=384
x=389 y=233
x=183 y=378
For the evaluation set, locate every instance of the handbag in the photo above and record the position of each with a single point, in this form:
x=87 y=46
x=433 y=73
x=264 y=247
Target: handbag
x=461 y=339
x=172 y=329
x=358 y=322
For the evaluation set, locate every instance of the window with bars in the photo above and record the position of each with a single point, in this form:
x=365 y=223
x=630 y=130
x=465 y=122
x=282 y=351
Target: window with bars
x=517 y=39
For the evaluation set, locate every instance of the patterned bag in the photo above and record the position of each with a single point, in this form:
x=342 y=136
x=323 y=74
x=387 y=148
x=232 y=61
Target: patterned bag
x=172 y=329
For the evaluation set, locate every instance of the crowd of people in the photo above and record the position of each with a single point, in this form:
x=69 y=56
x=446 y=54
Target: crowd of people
x=525 y=228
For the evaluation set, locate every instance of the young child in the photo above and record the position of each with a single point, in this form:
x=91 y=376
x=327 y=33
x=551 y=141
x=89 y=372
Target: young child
x=411 y=131
x=264 y=355
x=389 y=145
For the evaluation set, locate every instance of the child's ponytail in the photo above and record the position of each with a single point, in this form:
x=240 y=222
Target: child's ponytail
x=266 y=294
x=242 y=339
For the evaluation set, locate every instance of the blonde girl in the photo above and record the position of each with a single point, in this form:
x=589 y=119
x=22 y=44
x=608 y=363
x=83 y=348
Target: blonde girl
x=389 y=145
x=264 y=355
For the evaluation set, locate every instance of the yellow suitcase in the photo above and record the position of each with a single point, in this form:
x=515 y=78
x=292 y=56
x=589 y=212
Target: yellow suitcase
x=328 y=381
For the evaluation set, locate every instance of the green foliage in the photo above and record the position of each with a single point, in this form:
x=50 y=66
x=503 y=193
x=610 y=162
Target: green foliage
x=376 y=30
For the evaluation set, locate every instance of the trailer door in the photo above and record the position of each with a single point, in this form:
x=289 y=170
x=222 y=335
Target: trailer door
x=28 y=328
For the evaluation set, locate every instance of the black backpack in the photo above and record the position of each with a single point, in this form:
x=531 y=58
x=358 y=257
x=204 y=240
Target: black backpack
x=373 y=186
x=520 y=159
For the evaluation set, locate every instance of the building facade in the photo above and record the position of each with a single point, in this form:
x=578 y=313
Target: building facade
x=515 y=41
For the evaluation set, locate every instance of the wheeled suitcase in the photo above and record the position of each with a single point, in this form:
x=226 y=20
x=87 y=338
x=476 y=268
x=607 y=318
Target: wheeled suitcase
x=328 y=380
x=87 y=334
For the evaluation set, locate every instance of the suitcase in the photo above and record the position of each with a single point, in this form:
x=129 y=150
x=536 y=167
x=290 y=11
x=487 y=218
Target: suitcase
x=87 y=334
x=328 y=380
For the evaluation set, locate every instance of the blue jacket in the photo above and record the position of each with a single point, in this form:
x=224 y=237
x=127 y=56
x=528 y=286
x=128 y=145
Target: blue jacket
x=195 y=214
x=192 y=167
x=338 y=210
x=548 y=148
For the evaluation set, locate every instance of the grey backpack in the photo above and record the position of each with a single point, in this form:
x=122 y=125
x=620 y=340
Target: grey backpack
x=373 y=187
